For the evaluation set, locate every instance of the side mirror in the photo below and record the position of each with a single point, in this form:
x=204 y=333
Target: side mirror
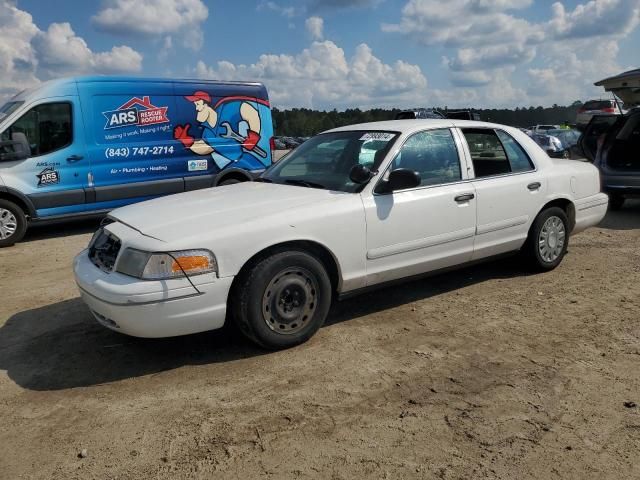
x=360 y=174
x=403 y=178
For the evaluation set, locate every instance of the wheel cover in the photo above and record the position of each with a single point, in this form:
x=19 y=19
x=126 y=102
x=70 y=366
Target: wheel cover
x=8 y=223
x=290 y=300
x=551 y=239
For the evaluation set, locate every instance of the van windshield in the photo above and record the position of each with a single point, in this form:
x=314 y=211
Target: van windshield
x=8 y=108
x=325 y=161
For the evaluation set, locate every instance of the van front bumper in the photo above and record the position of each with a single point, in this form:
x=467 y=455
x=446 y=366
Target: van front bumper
x=152 y=309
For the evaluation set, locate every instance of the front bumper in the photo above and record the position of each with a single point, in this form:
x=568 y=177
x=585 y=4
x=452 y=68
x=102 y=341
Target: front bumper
x=152 y=309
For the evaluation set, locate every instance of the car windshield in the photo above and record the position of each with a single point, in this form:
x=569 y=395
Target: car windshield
x=8 y=108
x=325 y=161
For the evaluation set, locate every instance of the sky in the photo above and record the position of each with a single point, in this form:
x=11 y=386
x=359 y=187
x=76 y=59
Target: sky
x=327 y=54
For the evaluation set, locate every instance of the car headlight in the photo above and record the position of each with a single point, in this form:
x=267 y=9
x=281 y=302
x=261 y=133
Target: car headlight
x=166 y=265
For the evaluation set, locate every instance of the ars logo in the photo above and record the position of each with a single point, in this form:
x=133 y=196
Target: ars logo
x=137 y=111
x=48 y=176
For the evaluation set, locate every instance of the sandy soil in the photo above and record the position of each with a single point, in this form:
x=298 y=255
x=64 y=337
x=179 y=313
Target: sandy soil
x=487 y=372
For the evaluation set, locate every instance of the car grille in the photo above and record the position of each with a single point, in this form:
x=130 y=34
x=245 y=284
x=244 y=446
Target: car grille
x=103 y=250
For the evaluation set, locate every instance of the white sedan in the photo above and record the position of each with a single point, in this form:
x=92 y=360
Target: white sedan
x=332 y=219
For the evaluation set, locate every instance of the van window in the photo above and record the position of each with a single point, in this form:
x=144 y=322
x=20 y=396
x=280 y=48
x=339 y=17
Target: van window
x=487 y=153
x=433 y=154
x=47 y=128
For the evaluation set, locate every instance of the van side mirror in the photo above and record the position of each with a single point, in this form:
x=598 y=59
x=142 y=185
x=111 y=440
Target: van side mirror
x=15 y=149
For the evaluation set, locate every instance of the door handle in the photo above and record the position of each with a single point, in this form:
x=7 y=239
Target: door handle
x=534 y=186
x=74 y=158
x=465 y=197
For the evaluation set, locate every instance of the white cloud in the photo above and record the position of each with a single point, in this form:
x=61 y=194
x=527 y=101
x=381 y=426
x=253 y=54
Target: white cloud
x=315 y=27
x=29 y=55
x=288 y=12
x=17 y=58
x=500 y=57
x=61 y=52
x=155 y=18
x=595 y=18
x=322 y=77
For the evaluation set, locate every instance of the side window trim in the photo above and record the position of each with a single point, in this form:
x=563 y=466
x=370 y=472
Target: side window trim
x=36 y=105
x=531 y=164
x=464 y=172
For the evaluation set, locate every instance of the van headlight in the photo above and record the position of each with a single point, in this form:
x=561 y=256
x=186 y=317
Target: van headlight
x=166 y=265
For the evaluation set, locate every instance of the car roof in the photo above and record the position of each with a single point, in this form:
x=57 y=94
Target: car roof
x=410 y=126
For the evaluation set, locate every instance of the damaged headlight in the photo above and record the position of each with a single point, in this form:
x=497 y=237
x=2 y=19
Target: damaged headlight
x=166 y=265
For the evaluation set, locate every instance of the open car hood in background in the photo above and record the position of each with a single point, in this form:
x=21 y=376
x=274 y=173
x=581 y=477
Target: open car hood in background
x=626 y=86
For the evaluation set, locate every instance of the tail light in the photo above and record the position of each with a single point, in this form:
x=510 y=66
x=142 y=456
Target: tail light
x=272 y=145
x=609 y=110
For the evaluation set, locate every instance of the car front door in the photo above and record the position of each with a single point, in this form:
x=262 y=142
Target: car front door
x=428 y=227
x=509 y=189
x=55 y=175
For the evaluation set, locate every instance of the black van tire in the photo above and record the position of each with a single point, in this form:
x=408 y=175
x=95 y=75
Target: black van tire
x=616 y=201
x=229 y=181
x=532 y=247
x=21 y=223
x=282 y=300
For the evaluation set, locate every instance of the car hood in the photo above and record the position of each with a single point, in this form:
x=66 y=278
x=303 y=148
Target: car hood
x=191 y=213
x=625 y=86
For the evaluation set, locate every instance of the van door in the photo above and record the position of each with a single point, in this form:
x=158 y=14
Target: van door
x=55 y=175
x=130 y=141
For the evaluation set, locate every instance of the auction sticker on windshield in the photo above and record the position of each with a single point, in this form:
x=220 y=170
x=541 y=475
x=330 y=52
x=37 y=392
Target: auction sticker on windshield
x=385 y=136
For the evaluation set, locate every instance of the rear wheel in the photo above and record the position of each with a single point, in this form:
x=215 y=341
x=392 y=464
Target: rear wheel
x=548 y=239
x=616 y=202
x=282 y=300
x=13 y=223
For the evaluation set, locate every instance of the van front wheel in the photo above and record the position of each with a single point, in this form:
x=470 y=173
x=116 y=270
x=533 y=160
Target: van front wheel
x=13 y=223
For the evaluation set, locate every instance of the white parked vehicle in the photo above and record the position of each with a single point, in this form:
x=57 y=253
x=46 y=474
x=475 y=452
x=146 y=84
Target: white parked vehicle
x=329 y=220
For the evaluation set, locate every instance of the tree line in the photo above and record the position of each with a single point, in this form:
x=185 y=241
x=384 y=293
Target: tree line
x=303 y=122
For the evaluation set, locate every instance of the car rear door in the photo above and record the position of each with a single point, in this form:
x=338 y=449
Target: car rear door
x=594 y=134
x=424 y=228
x=509 y=189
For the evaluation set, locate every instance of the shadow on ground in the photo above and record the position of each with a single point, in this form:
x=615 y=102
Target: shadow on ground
x=628 y=218
x=61 y=229
x=60 y=346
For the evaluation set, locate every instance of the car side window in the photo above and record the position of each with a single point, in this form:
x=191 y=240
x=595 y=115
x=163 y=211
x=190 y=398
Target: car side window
x=518 y=158
x=487 y=153
x=48 y=127
x=433 y=154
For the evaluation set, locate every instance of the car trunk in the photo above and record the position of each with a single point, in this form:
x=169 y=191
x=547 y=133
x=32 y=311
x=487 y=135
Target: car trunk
x=625 y=86
x=616 y=140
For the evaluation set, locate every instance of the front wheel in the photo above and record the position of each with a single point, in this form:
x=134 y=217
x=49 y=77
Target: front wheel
x=13 y=223
x=548 y=239
x=282 y=300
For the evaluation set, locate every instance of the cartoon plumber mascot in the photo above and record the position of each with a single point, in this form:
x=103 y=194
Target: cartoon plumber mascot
x=230 y=133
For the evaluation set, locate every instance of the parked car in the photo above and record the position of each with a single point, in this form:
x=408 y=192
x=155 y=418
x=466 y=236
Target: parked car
x=542 y=128
x=557 y=143
x=85 y=145
x=596 y=107
x=612 y=142
x=330 y=221
x=419 y=113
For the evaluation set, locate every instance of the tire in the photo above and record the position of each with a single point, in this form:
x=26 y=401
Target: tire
x=282 y=300
x=229 y=181
x=13 y=223
x=548 y=239
x=616 y=202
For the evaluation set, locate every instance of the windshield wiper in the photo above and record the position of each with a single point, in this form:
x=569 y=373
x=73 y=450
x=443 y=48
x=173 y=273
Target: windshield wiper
x=304 y=183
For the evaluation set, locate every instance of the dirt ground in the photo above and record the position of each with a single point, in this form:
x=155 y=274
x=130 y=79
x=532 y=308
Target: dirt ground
x=488 y=372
